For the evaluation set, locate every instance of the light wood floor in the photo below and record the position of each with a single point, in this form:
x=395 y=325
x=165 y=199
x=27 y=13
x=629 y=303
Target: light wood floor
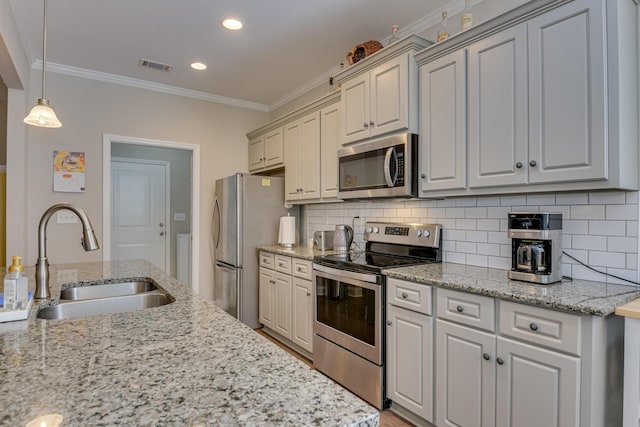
x=387 y=418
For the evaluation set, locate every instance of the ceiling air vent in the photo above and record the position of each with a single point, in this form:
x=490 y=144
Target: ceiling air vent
x=155 y=65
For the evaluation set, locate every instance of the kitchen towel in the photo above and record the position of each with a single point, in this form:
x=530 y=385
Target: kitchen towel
x=287 y=233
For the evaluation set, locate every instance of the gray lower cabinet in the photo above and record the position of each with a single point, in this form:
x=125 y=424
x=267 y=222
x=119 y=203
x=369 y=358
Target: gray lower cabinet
x=472 y=360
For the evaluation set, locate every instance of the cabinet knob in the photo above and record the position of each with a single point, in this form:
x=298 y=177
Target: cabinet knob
x=460 y=309
x=532 y=163
x=500 y=361
x=519 y=165
x=366 y=124
x=389 y=322
x=308 y=294
x=371 y=123
x=533 y=326
x=405 y=295
x=423 y=176
x=162 y=233
x=273 y=282
x=486 y=356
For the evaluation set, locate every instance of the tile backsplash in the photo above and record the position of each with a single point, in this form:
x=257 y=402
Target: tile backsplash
x=599 y=228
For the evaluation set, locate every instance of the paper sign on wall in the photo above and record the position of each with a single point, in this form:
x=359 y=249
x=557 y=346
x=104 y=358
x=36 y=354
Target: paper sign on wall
x=68 y=171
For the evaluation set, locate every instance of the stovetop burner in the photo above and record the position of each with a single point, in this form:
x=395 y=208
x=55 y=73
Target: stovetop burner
x=390 y=245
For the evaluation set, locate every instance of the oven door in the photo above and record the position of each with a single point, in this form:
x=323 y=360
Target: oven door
x=348 y=310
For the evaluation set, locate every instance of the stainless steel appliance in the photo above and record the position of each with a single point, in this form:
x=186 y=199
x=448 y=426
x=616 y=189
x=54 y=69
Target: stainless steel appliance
x=323 y=240
x=536 y=246
x=349 y=298
x=342 y=238
x=383 y=167
x=246 y=213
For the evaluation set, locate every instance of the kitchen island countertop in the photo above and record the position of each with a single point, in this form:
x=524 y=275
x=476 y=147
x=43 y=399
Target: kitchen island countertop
x=185 y=363
x=575 y=296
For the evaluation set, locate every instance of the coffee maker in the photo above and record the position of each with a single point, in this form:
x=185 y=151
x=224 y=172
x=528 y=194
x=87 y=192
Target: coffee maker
x=536 y=243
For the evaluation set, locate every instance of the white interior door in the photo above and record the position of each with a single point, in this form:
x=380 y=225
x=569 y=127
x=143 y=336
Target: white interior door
x=139 y=211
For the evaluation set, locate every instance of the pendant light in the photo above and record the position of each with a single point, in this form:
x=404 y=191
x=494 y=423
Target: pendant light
x=42 y=114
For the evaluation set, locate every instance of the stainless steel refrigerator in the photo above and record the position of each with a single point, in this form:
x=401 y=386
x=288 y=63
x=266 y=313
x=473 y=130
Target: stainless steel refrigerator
x=246 y=214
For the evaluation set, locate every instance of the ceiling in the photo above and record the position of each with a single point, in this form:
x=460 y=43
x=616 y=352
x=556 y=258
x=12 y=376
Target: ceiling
x=285 y=44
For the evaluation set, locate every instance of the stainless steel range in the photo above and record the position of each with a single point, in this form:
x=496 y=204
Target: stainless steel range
x=348 y=327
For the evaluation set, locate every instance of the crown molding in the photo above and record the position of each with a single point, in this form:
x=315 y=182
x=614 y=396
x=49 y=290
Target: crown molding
x=144 y=84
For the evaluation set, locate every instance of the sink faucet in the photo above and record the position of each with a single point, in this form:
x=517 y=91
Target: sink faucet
x=89 y=243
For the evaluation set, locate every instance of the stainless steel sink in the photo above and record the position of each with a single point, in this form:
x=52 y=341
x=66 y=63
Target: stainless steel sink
x=132 y=287
x=110 y=305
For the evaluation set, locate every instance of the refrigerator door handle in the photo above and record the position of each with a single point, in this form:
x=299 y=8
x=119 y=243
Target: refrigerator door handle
x=215 y=226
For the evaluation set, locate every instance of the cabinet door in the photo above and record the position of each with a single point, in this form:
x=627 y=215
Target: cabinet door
x=330 y=141
x=302 y=312
x=410 y=360
x=256 y=154
x=309 y=160
x=282 y=311
x=443 y=123
x=390 y=96
x=293 y=149
x=536 y=387
x=567 y=83
x=355 y=108
x=465 y=379
x=274 y=148
x=498 y=109
x=266 y=300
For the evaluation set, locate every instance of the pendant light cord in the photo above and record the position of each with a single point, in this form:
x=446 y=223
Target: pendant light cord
x=44 y=50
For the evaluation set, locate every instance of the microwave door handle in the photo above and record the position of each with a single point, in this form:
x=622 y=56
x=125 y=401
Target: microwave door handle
x=391 y=181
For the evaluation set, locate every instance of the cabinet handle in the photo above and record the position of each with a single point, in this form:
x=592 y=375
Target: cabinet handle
x=519 y=165
x=533 y=326
x=405 y=295
x=371 y=123
x=486 y=356
x=532 y=163
x=389 y=322
x=366 y=124
x=460 y=309
x=500 y=361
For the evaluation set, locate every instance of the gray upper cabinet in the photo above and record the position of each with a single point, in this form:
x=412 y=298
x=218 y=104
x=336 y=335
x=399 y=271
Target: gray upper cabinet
x=443 y=123
x=550 y=102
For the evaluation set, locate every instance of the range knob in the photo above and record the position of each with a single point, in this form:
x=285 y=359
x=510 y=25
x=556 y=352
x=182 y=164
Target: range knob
x=418 y=233
x=426 y=233
x=376 y=230
x=369 y=229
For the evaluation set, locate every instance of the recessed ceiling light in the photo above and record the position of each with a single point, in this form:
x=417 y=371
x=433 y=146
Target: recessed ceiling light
x=198 y=66
x=232 y=24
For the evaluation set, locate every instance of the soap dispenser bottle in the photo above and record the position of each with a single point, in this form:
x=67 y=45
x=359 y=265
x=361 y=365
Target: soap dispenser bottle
x=15 y=286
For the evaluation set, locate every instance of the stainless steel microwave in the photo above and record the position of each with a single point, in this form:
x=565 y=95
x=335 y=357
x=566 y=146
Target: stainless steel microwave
x=384 y=167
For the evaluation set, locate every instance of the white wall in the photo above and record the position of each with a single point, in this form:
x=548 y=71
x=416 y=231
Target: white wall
x=88 y=109
x=599 y=228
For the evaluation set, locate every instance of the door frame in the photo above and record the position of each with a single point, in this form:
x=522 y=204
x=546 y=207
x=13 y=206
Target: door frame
x=167 y=205
x=107 y=140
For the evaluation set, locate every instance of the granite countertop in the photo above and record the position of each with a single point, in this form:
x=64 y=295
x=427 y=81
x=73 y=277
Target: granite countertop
x=577 y=296
x=185 y=363
x=302 y=252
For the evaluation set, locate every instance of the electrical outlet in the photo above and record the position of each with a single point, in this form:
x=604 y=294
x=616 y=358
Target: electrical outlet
x=67 y=276
x=66 y=217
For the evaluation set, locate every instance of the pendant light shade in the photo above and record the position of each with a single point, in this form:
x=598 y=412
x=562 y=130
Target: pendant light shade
x=42 y=114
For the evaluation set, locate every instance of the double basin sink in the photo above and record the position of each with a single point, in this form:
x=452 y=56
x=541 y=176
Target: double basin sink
x=81 y=300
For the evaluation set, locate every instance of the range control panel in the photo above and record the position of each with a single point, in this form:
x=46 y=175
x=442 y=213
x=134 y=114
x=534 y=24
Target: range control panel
x=416 y=234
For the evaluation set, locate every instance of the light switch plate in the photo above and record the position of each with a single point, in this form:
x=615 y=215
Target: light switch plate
x=66 y=217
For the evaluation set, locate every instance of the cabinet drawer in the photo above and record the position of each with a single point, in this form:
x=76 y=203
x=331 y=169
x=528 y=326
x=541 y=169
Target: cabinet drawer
x=468 y=309
x=302 y=268
x=559 y=331
x=409 y=295
x=267 y=260
x=282 y=264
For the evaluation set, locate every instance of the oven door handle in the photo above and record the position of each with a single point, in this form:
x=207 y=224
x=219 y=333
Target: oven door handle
x=391 y=180
x=364 y=280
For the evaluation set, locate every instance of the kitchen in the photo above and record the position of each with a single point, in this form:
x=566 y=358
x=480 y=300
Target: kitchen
x=477 y=233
